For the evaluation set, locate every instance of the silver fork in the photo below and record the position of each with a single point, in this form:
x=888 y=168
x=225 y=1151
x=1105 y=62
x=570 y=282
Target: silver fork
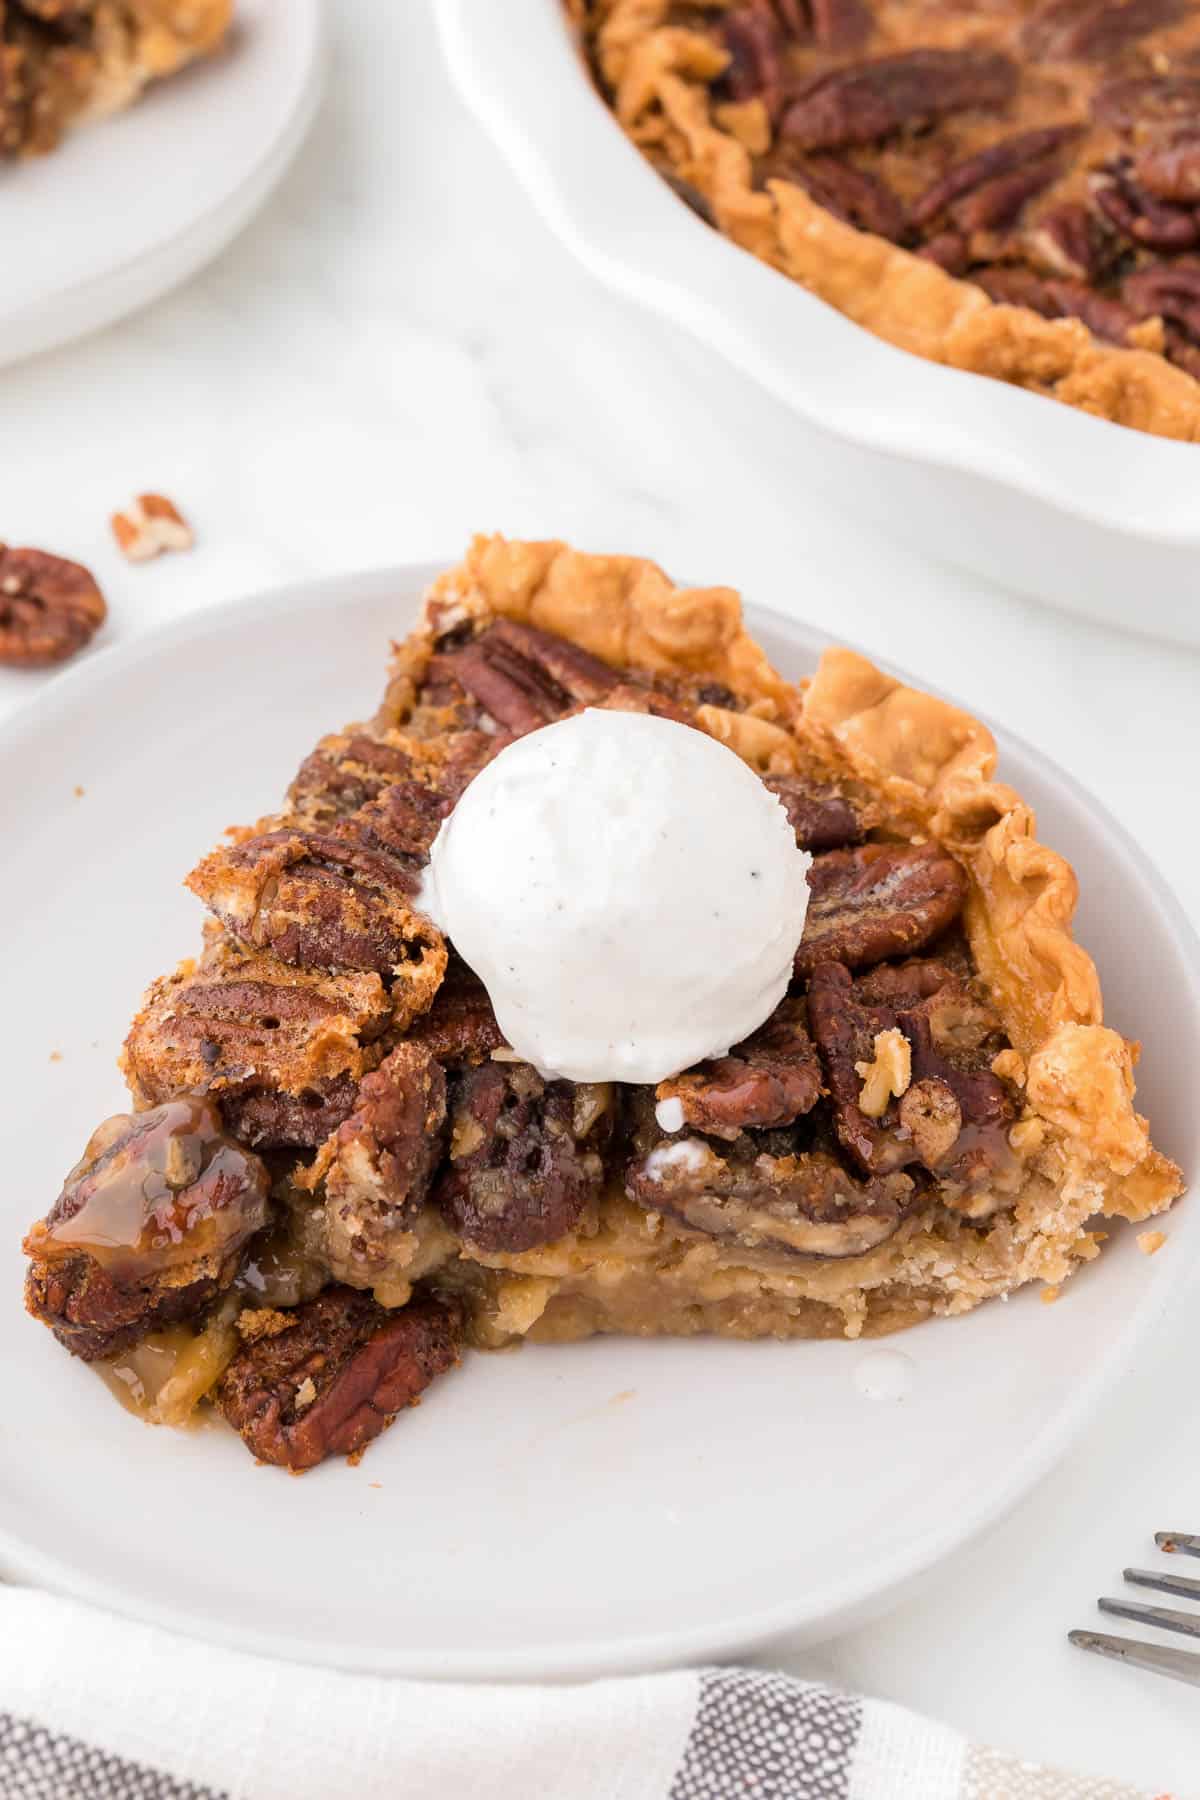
x=1160 y=1659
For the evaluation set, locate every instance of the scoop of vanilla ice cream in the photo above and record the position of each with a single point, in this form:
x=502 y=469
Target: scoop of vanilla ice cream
x=628 y=891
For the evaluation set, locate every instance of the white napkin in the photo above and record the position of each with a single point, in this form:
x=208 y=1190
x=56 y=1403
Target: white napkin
x=96 y=1708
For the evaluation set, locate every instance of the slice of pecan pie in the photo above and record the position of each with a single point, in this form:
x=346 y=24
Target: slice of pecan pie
x=65 y=61
x=337 y=1172
x=1010 y=188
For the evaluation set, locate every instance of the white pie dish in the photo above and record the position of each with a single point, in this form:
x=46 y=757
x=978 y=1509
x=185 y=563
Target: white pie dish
x=127 y=208
x=554 y=1512
x=1025 y=491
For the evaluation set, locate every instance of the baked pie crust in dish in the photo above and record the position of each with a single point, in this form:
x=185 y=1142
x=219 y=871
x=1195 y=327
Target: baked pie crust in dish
x=63 y=62
x=1011 y=189
x=335 y=1174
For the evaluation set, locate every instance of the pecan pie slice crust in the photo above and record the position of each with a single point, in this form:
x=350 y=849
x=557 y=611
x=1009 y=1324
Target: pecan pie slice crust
x=63 y=62
x=332 y=1134
x=1010 y=189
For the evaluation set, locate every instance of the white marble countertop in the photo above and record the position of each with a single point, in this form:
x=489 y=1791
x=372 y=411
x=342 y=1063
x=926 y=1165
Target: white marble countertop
x=397 y=353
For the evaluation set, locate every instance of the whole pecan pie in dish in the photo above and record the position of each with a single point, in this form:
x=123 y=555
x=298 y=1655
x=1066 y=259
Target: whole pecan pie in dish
x=1010 y=188
x=337 y=1172
x=66 y=61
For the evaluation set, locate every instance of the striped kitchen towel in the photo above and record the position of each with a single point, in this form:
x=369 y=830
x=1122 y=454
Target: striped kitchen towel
x=96 y=1708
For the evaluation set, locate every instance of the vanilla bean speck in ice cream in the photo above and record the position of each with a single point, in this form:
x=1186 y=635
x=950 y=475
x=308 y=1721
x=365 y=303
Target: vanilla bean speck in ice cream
x=628 y=891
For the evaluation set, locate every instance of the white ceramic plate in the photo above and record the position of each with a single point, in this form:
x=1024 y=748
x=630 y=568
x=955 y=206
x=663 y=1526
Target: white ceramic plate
x=1022 y=490
x=129 y=207
x=555 y=1511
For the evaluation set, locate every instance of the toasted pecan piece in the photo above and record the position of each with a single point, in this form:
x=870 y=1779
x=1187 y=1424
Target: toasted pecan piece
x=771 y=1079
x=335 y=1376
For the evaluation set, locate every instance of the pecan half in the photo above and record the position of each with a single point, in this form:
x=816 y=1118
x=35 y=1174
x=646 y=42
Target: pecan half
x=949 y=250
x=379 y=1165
x=1156 y=223
x=1094 y=30
x=280 y=1050
x=867 y=101
x=404 y=820
x=1025 y=153
x=1069 y=241
x=324 y=900
x=523 y=677
x=882 y=900
x=270 y=1119
x=1013 y=285
x=756 y=69
x=799 y=1203
x=997 y=204
x=761 y=30
x=859 y=196
x=1105 y=316
x=519 y=1175
x=336 y=1376
x=460 y=1027
x=147 y=1230
x=1170 y=171
x=769 y=1080
x=818 y=811
x=49 y=608
x=1168 y=291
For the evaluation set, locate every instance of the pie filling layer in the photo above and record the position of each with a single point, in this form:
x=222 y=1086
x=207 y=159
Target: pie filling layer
x=952 y=176
x=336 y=1173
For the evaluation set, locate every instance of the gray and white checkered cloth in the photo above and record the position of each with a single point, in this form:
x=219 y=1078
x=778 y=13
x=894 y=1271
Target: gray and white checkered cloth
x=93 y=1708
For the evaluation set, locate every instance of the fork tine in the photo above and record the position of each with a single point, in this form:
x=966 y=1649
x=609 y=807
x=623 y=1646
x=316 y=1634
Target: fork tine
x=1160 y=1659
x=1169 y=1618
x=1187 y=1543
x=1183 y=1585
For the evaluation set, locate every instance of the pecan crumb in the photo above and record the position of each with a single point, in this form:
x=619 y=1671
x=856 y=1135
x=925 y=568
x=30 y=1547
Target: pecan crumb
x=1149 y=1242
x=888 y=1075
x=149 y=526
x=1050 y=1295
x=262 y=1322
